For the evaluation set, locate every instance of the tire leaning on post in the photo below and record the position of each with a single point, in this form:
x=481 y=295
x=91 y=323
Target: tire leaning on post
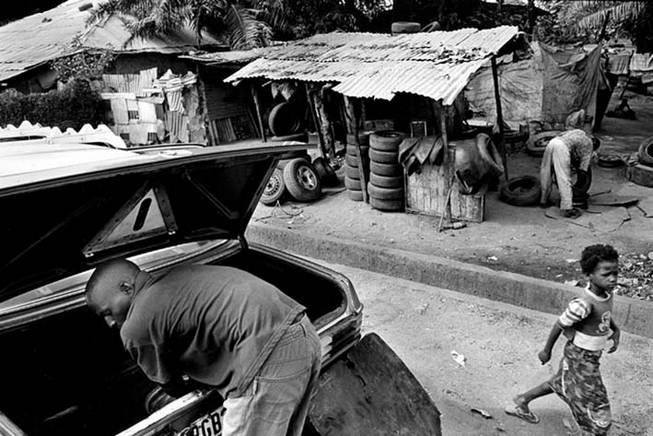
x=302 y=180
x=274 y=189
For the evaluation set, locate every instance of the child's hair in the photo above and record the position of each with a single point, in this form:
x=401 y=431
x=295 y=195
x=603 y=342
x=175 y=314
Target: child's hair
x=594 y=254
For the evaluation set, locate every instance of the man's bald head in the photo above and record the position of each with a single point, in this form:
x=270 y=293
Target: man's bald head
x=110 y=289
x=112 y=272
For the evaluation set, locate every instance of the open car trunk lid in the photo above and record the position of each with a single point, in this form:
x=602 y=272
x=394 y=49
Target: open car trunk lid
x=371 y=391
x=67 y=207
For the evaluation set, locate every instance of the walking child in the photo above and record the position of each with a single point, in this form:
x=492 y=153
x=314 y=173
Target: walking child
x=588 y=325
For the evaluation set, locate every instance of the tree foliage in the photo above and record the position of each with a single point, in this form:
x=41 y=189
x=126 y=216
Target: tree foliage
x=591 y=20
x=72 y=106
x=83 y=65
x=243 y=23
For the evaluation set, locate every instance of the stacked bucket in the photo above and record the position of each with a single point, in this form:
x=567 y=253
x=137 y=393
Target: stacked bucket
x=386 y=185
x=352 y=175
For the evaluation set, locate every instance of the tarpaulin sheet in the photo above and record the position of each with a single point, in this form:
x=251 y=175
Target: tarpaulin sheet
x=571 y=80
x=547 y=87
x=520 y=87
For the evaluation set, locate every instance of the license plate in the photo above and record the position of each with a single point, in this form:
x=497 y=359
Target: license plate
x=208 y=425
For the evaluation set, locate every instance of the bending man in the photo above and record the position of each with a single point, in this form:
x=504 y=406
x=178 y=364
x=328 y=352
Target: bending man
x=572 y=149
x=221 y=327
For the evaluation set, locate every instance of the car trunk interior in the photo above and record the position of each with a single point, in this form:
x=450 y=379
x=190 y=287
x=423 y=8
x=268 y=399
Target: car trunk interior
x=69 y=374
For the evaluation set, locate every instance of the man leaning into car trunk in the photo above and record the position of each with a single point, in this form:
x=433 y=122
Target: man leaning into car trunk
x=219 y=326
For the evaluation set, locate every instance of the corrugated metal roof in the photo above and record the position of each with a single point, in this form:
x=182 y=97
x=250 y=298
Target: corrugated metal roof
x=436 y=64
x=39 y=38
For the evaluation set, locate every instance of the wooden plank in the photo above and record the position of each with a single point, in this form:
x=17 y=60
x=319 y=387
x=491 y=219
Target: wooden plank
x=258 y=112
x=426 y=194
x=326 y=126
x=370 y=391
x=497 y=98
x=353 y=128
x=316 y=121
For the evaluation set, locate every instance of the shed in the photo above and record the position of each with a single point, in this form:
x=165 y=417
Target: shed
x=28 y=45
x=425 y=71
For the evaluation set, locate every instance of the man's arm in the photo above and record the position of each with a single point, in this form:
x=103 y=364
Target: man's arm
x=616 y=333
x=545 y=354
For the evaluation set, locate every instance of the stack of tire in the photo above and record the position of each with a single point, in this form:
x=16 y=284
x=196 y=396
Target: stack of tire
x=386 y=185
x=642 y=173
x=352 y=175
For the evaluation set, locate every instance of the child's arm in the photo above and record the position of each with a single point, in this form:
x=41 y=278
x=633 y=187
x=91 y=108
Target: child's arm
x=545 y=354
x=616 y=332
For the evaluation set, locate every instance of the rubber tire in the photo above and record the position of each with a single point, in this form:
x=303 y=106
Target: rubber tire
x=515 y=136
x=533 y=145
x=530 y=197
x=363 y=139
x=324 y=170
x=283 y=119
x=355 y=195
x=385 y=193
x=387 y=205
x=645 y=152
x=351 y=150
x=296 y=187
x=641 y=175
x=386 y=140
x=389 y=170
x=405 y=27
x=610 y=161
x=581 y=190
x=387 y=182
x=352 y=172
x=299 y=137
x=352 y=161
x=352 y=184
x=274 y=188
x=389 y=157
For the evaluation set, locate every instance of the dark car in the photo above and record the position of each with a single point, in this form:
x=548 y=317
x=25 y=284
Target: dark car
x=67 y=207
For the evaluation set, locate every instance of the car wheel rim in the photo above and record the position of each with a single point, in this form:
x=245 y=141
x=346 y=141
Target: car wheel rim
x=273 y=185
x=307 y=178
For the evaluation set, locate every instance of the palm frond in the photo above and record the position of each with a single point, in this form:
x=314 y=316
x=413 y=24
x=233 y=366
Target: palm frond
x=244 y=31
x=618 y=13
x=102 y=11
x=274 y=12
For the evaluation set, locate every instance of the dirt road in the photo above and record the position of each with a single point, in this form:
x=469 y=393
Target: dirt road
x=424 y=325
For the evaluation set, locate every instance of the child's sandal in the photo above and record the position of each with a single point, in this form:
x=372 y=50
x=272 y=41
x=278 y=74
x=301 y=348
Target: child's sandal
x=518 y=412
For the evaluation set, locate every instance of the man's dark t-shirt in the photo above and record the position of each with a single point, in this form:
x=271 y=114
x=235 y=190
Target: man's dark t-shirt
x=215 y=324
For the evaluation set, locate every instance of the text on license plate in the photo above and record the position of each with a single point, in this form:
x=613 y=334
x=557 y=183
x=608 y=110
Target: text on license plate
x=208 y=425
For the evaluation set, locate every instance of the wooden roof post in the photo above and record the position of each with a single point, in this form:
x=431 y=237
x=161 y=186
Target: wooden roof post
x=259 y=117
x=447 y=163
x=497 y=97
x=316 y=120
x=353 y=127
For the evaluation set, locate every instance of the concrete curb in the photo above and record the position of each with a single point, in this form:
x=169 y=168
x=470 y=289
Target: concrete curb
x=633 y=316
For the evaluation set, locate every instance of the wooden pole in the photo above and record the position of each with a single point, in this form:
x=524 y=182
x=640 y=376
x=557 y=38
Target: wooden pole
x=318 y=129
x=324 y=123
x=439 y=109
x=258 y=112
x=352 y=126
x=497 y=98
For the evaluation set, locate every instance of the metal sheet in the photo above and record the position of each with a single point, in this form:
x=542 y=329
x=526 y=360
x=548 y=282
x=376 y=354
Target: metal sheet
x=39 y=38
x=437 y=65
